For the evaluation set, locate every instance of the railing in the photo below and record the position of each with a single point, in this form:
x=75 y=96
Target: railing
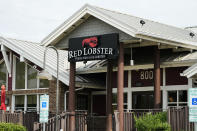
x=178 y=118
x=63 y=122
x=129 y=122
x=9 y=117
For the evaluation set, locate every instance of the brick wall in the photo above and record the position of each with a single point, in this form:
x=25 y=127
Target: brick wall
x=52 y=96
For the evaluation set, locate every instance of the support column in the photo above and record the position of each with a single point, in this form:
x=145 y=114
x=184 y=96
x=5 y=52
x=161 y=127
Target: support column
x=120 y=97
x=109 y=96
x=71 y=103
x=157 y=91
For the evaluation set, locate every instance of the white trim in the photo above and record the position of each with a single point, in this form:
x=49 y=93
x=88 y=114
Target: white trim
x=5 y=57
x=129 y=100
x=13 y=104
x=38 y=82
x=25 y=103
x=38 y=103
x=129 y=93
x=26 y=79
x=14 y=73
x=165 y=99
x=164 y=76
x=159 y=39
x=65 y=101
x=164 y=92
x=190 y=82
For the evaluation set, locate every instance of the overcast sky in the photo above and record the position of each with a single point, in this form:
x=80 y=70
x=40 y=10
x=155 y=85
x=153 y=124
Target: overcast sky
x=34 y=19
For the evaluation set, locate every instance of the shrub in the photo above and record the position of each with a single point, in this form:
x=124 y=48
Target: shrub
x=149 y=122
x=11 y=127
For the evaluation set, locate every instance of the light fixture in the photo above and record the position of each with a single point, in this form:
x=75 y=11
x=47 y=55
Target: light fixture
x=191 y=34
x=44 y=75
x=142 y=22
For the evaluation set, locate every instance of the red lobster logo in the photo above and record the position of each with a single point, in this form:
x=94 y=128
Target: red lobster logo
x=90 y=42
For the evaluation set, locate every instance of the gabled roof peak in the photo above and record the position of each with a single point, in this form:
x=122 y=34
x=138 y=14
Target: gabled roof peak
x=128 y=24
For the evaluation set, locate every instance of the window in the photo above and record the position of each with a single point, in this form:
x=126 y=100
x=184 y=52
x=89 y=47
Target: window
x=2 y=74
x=114 y=101
x=26 y=77
x=27 y=103
x=31 y=102
x=19 y=102
x=177 y=98
x=31 y=78
x=20 y=75
x=44 y=83
x=82 y=102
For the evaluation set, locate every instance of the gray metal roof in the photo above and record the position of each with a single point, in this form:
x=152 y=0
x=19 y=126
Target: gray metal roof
x=131 y=25
x=35 y=53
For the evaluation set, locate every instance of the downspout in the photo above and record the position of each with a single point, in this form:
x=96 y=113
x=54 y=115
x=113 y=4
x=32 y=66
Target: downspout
x=5 y=57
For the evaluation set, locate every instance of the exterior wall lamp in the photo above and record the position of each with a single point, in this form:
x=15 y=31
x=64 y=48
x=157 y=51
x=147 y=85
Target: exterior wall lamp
x=45 y=75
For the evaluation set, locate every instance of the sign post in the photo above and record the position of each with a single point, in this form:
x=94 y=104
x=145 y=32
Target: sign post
x=193 y=106
x=44 y=109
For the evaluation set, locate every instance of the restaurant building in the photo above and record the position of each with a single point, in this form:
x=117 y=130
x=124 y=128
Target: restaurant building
x=153 y=57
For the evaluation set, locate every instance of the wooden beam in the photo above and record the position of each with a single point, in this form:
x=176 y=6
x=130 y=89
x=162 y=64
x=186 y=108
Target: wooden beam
x=137 y=67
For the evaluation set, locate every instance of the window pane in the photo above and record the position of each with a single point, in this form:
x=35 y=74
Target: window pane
x=44 y=83
x=172 y=104
x=172 y=96
x=82 y=102
x=31 y=78
x=114 y=98
x=182 y=104
x=125 y=98
x=19 y=102
x=114 y=107
x=20 y=75
x=182 y=96
x=31 y=102
x=2 y=74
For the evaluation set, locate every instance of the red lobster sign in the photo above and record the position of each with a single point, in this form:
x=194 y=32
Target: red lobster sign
x=90 y=42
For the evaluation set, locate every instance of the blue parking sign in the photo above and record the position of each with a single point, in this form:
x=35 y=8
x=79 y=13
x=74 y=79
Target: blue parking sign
x=44 y=104
x=44 y=108
x=194 y=101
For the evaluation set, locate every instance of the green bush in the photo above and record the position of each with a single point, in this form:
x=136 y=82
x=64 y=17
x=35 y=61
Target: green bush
x=149 y=122
x=11 y=127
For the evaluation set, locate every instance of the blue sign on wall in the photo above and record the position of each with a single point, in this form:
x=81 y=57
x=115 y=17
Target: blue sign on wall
x=194 y=101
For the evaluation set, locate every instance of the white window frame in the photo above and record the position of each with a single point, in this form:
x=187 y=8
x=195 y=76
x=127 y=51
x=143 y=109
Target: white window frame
x=26 y=75
x=25 y=101
x=177 y=100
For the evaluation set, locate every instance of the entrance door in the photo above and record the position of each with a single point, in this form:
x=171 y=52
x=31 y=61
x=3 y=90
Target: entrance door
x=143 y=100
x=99 y=105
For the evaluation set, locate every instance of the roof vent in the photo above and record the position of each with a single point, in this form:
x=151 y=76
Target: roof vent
x=191 y=34
x=142 y=22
